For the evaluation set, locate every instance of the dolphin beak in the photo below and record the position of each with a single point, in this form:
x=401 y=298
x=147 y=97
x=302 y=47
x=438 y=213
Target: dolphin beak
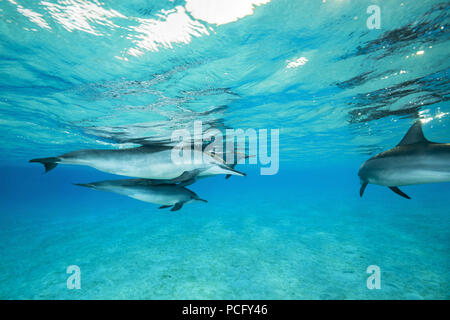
x=203 y=200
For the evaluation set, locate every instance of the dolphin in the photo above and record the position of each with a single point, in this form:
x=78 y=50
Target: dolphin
x=148 y=162
x=415 y=160
x=236 y=157
x=166 y=195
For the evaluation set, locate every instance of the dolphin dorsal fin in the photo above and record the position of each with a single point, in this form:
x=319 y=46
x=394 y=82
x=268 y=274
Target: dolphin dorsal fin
x=414 y=135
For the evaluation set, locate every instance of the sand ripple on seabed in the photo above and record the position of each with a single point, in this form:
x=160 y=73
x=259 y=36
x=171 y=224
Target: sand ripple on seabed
x=295 y=253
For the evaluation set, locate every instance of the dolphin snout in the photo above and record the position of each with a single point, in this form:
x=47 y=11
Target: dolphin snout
x=362 y=172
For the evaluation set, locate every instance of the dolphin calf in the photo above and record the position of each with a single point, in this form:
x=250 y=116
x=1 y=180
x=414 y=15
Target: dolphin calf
x=415 y=160
x=234 y=155
x=166 y=195
x=149 y=162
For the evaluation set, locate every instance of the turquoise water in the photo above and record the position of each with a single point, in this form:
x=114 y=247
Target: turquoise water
x=87 y=74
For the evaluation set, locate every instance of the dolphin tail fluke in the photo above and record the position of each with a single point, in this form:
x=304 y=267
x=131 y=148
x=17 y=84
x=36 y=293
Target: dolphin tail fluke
x=363 y=187
x=49 y=163
x=400 y=192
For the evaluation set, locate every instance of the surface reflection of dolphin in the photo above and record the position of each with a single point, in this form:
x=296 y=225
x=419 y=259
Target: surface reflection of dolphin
x=166 y=195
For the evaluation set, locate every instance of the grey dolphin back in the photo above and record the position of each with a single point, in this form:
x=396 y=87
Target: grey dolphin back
x=185 y=179
x=105 y=152
x=51 y=162
x=140 y=182
x=143 y=184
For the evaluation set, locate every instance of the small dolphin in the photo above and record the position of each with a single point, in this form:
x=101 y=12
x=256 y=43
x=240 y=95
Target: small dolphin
x=235 y=155
x=415 y=160
x=149 y=162
x=166 y=195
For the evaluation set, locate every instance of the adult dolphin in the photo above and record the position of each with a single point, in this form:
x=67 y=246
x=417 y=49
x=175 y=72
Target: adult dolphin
x=149 y=162
x=166 y=195
x=415 y=160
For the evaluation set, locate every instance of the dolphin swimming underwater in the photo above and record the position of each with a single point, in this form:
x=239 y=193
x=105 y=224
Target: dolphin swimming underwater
x=236 y=156
x=166 y=195
x=149 y=162
x=415 y=160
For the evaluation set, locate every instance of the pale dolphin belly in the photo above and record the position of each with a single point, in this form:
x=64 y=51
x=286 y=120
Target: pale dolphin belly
x=162 y=195
x=136 y=163
x=160 y=198
x=409 y=170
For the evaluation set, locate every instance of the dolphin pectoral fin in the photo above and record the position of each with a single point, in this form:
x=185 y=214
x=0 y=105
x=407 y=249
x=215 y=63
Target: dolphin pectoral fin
x=363 y=187
x=185 y=179
x=399 y=192
x=187 y=182
x=186 y=176
x=229 y=175
x=163 y=207
x=177 y=206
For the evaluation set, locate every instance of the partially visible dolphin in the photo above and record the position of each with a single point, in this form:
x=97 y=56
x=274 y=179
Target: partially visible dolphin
x=149 y=162
x=415 y=160
x=236 y=157
x=166 y=195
